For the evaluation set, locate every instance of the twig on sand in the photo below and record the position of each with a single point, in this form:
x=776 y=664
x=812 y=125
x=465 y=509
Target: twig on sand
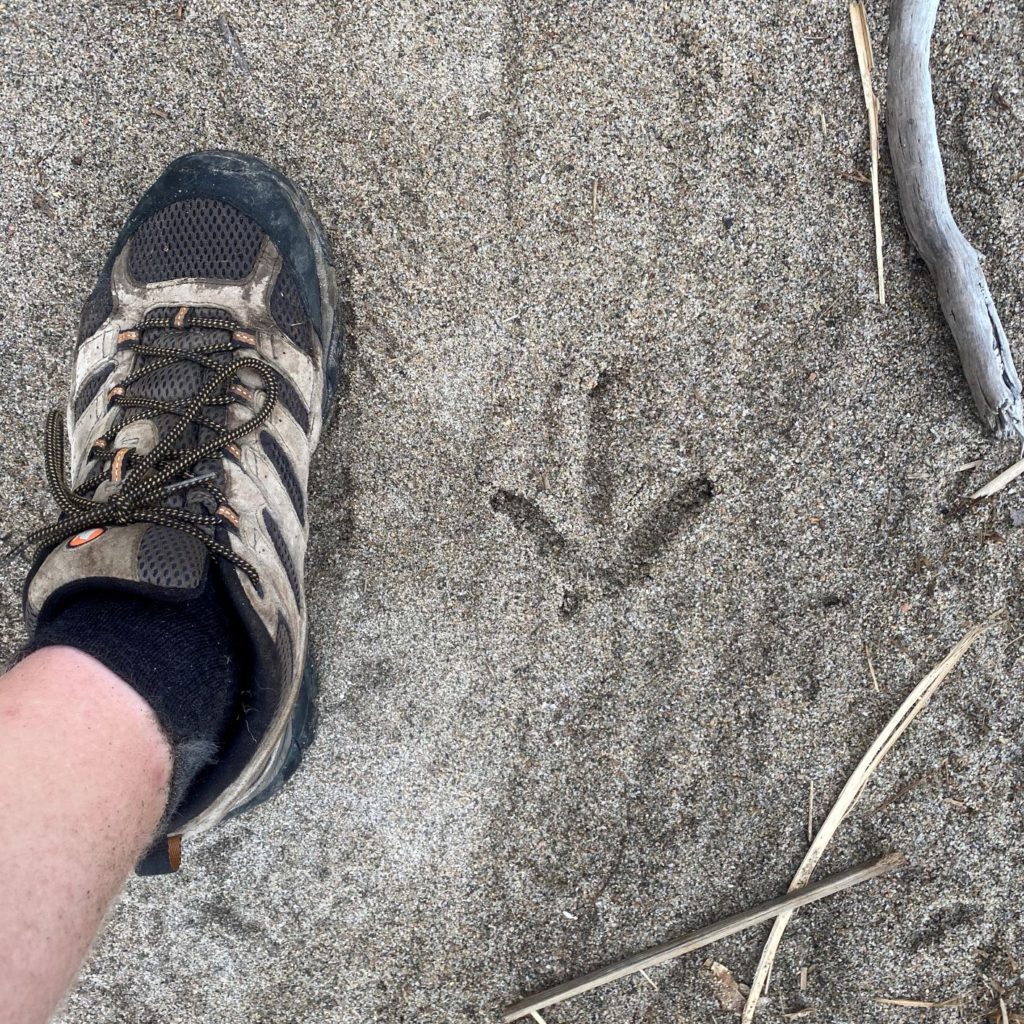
x=810 y=811
x=227 y=30
x=871 y=669
x=866 y=62
x=996 y=484
x=911 y=707
x=704 y=936
x=922 y=1004
x=902 y=792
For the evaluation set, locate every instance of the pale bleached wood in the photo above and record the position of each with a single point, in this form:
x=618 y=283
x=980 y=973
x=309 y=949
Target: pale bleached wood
x=955 y=265
x=996 y=484
x=640 y=962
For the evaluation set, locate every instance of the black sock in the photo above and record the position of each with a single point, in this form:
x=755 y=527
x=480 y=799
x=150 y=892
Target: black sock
x=187 y=659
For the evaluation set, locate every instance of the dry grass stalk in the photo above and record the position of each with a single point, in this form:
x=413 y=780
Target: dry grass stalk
x=996 y=1015
x=1013 y=643
x=532 y=1005
x=911 y=707
x=922 y=1004
x=952 y=1001
x=866 y=62
x=903 y=790
x=810 y=812
x=871 y=669
x=996 y=484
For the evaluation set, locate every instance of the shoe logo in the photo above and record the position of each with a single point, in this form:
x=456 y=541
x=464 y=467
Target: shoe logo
x=86 y=536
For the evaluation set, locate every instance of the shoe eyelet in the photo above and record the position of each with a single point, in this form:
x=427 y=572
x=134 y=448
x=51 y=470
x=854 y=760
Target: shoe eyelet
x=117 y=466
x=228 y=514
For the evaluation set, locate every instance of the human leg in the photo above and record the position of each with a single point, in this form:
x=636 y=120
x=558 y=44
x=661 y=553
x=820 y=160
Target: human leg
x=84 y=770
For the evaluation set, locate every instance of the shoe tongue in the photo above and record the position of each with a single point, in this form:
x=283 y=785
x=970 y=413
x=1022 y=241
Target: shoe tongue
x=152 y=561
x=179 y=381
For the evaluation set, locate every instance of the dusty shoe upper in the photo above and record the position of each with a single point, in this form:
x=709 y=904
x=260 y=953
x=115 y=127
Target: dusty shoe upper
x=207 y=357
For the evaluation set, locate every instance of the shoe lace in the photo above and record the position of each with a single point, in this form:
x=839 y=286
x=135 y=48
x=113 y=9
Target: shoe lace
x=167 y=469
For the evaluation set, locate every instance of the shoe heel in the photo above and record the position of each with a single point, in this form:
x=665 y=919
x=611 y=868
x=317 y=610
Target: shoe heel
x=301 y=733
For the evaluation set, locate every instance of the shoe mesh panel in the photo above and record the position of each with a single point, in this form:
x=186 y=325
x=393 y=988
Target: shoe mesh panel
x=90 y=389
x=97 y=308
x=277 y=538
x=194 y=238
x=175 y=383
x=283 y=465
x=286 y=309
x=180 y=381
x=289 y=398
x=170 y=558
x=285 y=648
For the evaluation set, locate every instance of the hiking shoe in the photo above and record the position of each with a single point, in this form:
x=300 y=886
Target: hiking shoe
x=208 y=356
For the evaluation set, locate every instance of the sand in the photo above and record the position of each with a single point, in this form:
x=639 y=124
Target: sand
x=631 y=475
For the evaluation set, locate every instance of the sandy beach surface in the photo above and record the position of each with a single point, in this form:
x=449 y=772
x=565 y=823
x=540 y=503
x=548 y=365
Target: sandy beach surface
x=632 y=480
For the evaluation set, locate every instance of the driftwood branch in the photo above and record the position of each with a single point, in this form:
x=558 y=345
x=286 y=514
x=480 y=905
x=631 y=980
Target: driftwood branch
x=640 y=962
x=954 y=264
